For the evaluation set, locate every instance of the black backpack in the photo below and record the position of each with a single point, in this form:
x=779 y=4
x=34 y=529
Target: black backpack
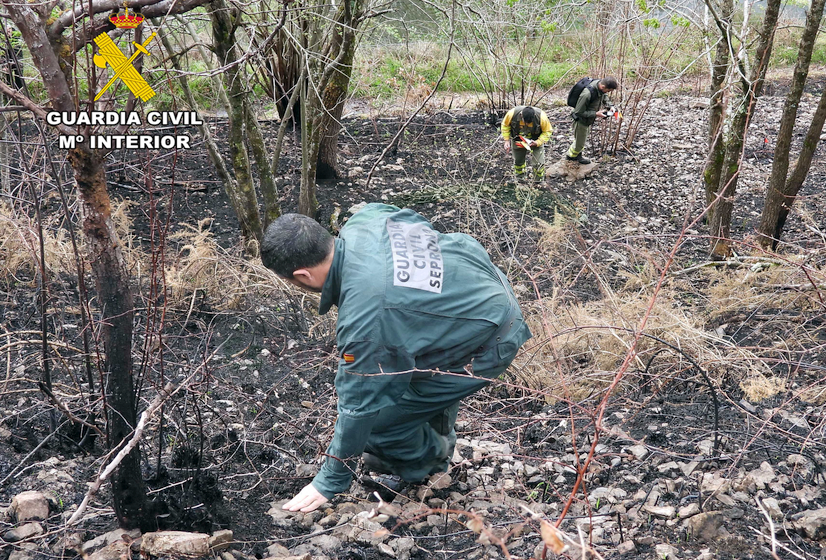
x=573 y=95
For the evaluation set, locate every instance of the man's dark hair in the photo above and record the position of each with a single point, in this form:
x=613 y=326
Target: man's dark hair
x=294 y=241
x=528 y=114
x=610 y=82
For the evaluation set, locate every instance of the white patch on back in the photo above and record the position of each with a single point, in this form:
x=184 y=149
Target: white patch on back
x=417 y=257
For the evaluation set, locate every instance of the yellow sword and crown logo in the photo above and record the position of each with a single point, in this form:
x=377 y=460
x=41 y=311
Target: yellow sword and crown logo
x=122 y=66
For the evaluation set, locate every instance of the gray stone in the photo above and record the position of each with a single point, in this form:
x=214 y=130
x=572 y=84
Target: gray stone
x=328 y=520
x=668 y=467
x=811 y=523
x=387 y=550
x=116 y=550
x=327 y=543
x=25 y=551
x=175 y=543
x=435 y=520
x=30 y=506
x=666 y=512
x=220 y=540
x=689 y=468
x=277 y=550
x=439 y=481
x=70 y=541
x=627 y=547
x=773 y=507
x=281 y=518
x=758 y=478
x=705 y=527
x=403 y=545
x=108 y=538
x=639 y=452
x=688 y=511
x=666 y=552
x=24 y=532
x=304 y=470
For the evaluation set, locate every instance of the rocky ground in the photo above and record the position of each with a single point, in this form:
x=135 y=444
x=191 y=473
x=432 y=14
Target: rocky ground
x=710 y=445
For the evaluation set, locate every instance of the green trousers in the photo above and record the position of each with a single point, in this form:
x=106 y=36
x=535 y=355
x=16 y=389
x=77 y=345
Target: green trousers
x=580 y=132
x=416 y=437
x=537 y=157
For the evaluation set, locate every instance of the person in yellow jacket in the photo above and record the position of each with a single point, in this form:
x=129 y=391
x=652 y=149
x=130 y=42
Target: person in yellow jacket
x=527 y=128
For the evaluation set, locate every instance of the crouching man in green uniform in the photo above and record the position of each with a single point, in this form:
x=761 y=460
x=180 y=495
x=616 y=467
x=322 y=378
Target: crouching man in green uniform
x=411 y=302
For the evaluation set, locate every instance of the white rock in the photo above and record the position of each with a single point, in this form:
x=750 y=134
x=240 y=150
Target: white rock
x=690 y=510
x=666 y=512
x=666 y=552
x=639 y=452
x=706 y=526
x=220 y=540
x=24 y=532
x=811 y=523
x=30 y=506
x=175 y=543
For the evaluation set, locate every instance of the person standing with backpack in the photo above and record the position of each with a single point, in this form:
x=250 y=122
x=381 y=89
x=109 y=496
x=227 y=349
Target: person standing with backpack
x=527 y=128
x=587 y=97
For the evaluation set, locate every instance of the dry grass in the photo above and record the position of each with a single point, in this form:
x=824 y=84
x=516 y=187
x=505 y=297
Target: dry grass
x=19 y=246
x=226 y=278
x=578 y=348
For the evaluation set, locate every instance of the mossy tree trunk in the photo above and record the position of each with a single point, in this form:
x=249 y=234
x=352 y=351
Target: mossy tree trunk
x=782 y=190
x=323 y=96
x=224 y=25
x=335 y=93
x=717 y=108
x=750 y=88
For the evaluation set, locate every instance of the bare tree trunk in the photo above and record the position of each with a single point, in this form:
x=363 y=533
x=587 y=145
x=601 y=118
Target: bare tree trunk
x=779 y=201
x=752 y=87
x=323 y=98
x=212 y=149
x=223 y=31
x=269 y=191
x=286 y=119
x=310 y=142
x=115 y=296
x=216 y=80
x=106 y=258
x=334 y=96
x=777 y=198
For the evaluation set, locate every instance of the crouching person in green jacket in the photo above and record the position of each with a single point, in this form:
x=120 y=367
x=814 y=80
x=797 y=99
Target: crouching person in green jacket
x=424 y=320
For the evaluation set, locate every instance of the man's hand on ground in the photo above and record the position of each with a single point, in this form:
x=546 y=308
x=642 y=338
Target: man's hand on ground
x=309 y=499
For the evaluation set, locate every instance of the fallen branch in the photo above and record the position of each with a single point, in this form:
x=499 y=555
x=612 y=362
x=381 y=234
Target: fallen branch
x=165 y=393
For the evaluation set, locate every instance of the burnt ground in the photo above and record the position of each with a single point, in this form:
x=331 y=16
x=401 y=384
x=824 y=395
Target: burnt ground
x=259 y=405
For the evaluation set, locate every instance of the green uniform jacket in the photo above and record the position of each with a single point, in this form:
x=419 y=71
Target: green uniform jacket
x=586 y=108
x=409 y=298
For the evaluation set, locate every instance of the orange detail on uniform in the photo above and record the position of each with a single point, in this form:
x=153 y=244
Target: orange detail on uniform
x=349 y=358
